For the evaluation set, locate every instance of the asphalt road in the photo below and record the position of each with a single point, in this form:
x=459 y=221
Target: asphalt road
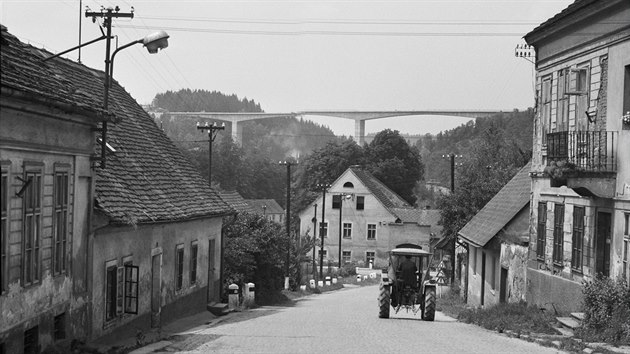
x=345 y=321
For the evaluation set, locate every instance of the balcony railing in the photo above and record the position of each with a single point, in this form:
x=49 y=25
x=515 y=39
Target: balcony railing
x=588 y=151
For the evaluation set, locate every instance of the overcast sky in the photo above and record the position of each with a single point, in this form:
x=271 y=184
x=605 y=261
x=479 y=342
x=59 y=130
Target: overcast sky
x=312 y=55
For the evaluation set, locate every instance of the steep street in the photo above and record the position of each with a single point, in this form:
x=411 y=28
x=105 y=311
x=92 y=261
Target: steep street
x=345 y=321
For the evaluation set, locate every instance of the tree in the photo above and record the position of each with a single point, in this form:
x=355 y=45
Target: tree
x=492 y=163
x=398 y=165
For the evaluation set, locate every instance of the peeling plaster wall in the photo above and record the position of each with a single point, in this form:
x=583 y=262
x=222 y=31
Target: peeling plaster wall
x=116 y=244
x=514 y=258
x=49 y=140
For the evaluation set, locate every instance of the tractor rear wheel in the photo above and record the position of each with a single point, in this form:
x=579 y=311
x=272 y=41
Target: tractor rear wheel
x=429 y=304
x=383 y=301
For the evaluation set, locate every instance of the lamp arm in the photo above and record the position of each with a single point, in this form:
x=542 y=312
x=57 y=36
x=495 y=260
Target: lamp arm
x=111 y=62
x=77 y=47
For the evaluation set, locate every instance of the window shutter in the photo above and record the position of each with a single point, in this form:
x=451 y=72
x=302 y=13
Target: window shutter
x=131 y=289
x=120 y=274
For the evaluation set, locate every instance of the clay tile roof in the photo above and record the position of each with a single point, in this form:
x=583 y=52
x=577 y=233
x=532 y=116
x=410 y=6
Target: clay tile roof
x=271 y=206
x=385 y=195
x=59 y=83
x=236 y=201
x=147 y=179
x=500 y=210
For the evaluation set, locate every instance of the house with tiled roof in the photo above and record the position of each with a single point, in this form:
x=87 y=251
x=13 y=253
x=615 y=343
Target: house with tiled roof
x=88 y=251
x=268 y=208
x=367 y=217
x=236 y=201
x=580 y=205
x=497 y=238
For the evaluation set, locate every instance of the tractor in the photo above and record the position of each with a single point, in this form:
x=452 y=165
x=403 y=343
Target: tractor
x=407 y=283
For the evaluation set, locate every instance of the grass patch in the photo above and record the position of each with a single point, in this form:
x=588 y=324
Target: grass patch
x=516 y=317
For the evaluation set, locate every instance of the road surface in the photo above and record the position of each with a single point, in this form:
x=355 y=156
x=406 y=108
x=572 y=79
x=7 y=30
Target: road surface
x=345 y=321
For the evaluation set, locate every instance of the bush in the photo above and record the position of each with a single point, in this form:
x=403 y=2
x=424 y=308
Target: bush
x=348 y=269
x=606 y=307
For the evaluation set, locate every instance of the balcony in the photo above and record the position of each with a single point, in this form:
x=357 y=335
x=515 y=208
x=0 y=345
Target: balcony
x=583 y=160
x=587 y=151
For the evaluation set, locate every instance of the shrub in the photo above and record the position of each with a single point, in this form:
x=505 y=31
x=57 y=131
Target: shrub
x=606 y=307
x=512 y=316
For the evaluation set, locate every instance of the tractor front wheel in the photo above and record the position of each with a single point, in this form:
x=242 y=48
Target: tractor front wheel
x=383 y=301
x=429 y=304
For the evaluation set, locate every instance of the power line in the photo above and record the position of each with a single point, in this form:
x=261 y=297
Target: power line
x=334 y=33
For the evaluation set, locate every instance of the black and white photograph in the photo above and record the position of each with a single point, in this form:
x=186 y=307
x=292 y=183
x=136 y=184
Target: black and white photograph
x=314 y=176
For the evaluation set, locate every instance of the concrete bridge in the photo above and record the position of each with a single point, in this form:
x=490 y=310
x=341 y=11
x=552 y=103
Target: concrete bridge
x=359 y=117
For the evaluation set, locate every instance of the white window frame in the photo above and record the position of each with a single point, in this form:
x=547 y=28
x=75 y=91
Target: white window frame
x=325 y=225
x=367 y=237
x=347 y=229
x=346 y=257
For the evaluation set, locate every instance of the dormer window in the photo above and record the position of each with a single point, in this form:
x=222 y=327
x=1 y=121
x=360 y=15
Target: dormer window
x=348 y=185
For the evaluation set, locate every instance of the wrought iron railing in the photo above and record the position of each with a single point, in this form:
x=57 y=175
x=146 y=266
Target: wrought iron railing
x=587 y=151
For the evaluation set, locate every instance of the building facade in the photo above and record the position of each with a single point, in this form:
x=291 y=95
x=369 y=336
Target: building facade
x=368 y=218
x=46 y=143
x=580 y=206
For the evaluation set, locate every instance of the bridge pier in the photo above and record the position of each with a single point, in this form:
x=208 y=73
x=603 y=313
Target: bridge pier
x=237 y=132
x=359 y=131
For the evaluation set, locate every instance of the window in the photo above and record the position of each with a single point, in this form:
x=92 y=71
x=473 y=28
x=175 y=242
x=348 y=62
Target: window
x=131 y=288
x=111 y=294
x=562 y=115
x=578 y=238
x=59 y=326
x=360 y=202
x=348 y=185
x=121 y=289
x=31 y=340
x=32 y=214
x=320 y=253
x=626 y=247
x=323 y=229
x=369 y=258
x=336 y=201
x=558 y=233
x=347 y=230
x=546 y=106
x=179 y=267
x=193 y=262
x=4 y=235
x=371 y=231
x=579 y=86
x=60 y=221
x=346 y=256
x=541 y=231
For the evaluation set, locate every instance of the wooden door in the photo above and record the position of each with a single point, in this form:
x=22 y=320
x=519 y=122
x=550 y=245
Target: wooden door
x=156 y=286
x=503 y=290
x=603 y=241
x=212 y=296
x=483 y=277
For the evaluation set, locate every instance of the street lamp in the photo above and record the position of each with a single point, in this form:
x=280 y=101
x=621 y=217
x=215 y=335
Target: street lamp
x=153 y=42
x=342 y=196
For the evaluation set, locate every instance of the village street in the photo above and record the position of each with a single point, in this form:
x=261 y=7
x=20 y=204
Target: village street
x=344 y=321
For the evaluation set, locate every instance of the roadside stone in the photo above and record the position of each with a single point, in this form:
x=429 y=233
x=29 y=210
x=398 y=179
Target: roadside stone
x=588 y=350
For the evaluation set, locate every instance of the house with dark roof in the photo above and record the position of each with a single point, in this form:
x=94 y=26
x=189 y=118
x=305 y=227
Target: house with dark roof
x=368 y=218
x=47 y=138
x=268 y=208
x=235 y=201
x=580 y=207
x=497 y=238
x=88 y=251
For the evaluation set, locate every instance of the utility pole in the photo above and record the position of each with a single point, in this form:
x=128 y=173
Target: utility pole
x=452 y=157
x=323 y=187
x=107 y=15
x=342 y=196
x=213 y=130
x=314 y=238
x=288 y=219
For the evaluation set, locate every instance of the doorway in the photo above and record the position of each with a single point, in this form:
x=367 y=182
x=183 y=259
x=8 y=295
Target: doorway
x=483 y=277
x=503 y=289
x=211 y=269
x=602 y=243
x=156 y=286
